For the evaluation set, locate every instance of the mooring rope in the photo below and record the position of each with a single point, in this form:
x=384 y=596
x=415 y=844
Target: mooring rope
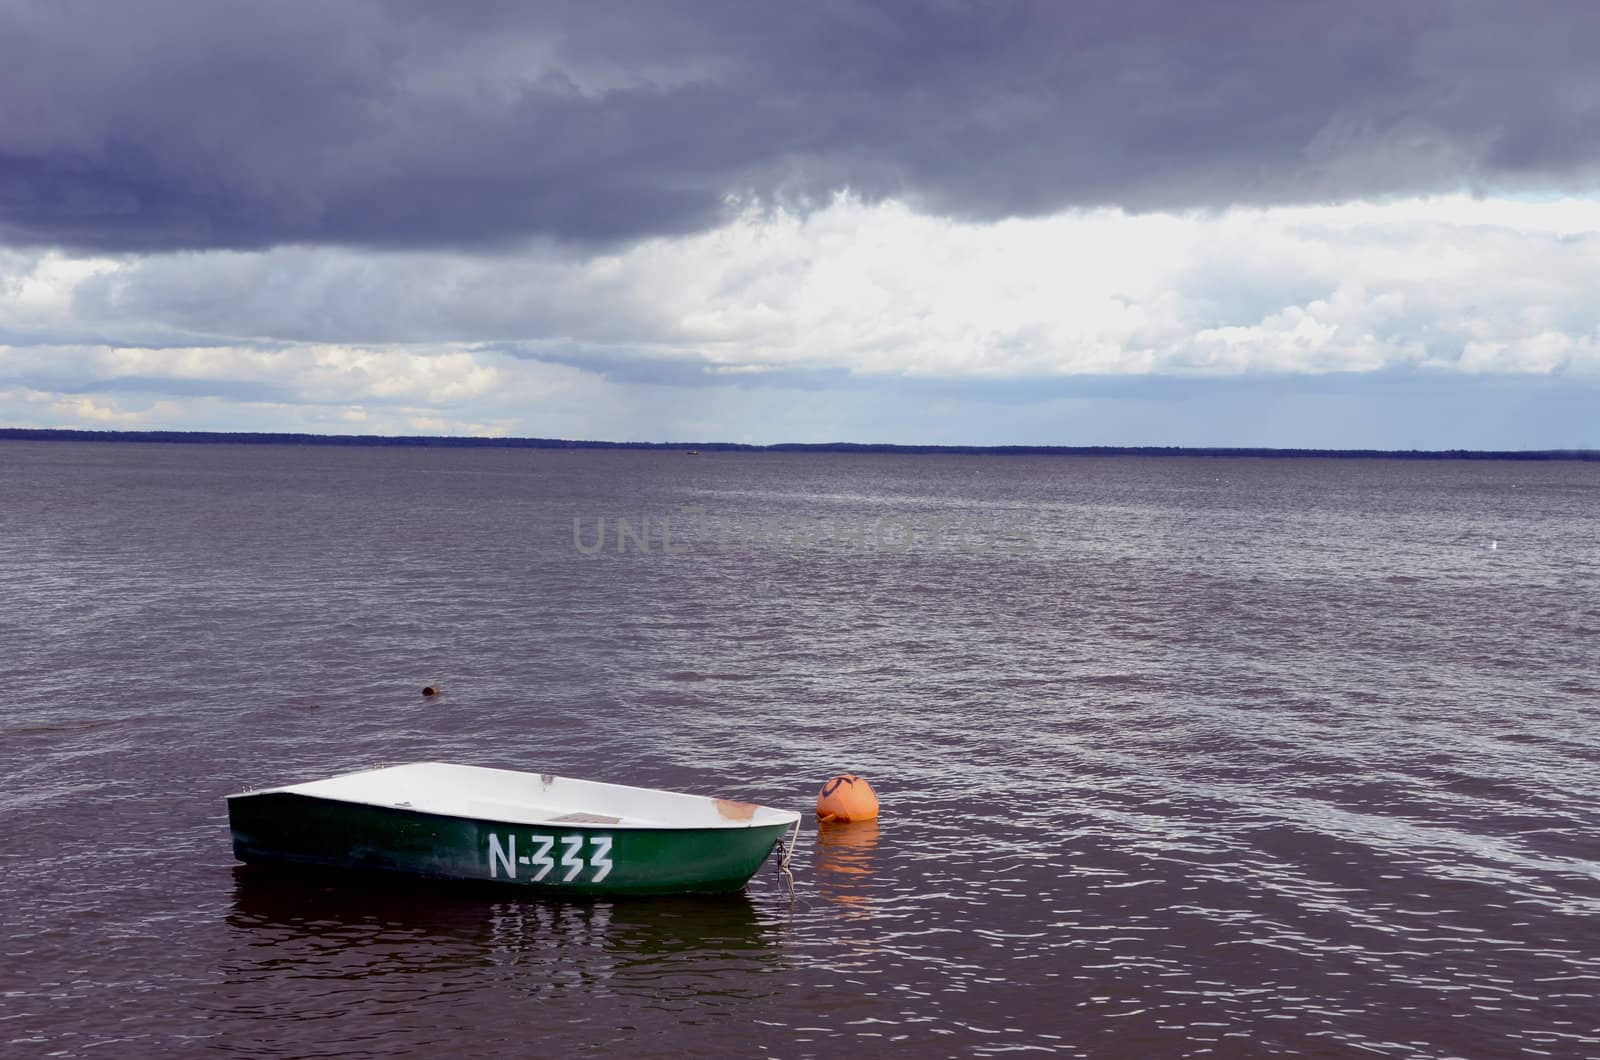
x=786 y=851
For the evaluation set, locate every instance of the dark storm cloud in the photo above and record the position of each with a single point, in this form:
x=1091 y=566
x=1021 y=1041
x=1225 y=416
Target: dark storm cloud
x=165 y=125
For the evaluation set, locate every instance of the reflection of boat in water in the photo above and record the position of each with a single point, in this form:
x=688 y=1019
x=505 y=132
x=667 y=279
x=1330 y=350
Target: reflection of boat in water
x=304 y=942
x=319 y=908
x=845 y=865
x=548 y=833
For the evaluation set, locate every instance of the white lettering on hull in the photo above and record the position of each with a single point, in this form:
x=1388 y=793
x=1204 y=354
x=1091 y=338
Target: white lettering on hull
x=572 y=860
x=541 y=860
x=503 y=857
x=601 y=858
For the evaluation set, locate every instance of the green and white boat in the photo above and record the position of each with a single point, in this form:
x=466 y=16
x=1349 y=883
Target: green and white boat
x=455 y=822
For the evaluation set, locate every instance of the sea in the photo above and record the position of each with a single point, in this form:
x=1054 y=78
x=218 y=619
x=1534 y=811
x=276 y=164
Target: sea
x=1176 y=756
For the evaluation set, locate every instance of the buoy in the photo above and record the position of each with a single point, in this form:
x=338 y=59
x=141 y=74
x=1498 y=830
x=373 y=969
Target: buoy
x=430 y=691
x=847 y=797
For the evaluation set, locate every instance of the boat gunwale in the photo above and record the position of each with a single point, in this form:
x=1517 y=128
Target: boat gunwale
x=792 y=817
x=787 y=818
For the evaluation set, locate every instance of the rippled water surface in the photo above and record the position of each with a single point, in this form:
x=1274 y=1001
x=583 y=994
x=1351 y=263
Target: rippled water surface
x=1178 y=757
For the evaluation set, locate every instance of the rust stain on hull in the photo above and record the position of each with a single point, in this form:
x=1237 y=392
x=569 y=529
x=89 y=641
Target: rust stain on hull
x=735 y=810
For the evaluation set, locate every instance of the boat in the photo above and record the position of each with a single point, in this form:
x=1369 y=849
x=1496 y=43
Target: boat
x=534 y=830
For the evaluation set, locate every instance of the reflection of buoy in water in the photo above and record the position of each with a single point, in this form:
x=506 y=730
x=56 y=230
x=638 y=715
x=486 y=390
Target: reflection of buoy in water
x=846 y=848
x=430 y=691
x=847 y=798
x=845 y=855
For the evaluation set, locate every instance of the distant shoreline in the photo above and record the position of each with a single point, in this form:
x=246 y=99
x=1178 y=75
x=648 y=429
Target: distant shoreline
x=27 y=434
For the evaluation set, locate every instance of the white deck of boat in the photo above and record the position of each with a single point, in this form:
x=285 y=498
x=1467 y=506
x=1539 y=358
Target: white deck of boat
x=533 y=798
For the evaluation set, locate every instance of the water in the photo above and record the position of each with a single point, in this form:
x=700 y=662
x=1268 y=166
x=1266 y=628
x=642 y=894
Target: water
x=1214 y=757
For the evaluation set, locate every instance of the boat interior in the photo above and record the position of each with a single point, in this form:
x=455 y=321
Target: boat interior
x=516 y=797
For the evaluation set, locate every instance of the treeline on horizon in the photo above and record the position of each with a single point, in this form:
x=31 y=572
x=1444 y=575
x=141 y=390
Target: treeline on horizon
x=31 y=434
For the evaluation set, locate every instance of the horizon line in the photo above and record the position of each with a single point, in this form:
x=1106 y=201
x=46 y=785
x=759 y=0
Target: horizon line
x=68 y=434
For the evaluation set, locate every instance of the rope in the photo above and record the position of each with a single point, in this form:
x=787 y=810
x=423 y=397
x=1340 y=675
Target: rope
x=786 y=859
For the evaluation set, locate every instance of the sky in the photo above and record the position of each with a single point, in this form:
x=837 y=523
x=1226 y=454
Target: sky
x=1332 y=225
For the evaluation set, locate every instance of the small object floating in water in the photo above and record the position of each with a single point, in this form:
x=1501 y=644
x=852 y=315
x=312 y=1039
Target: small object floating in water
x=847 y=797
x=431 y=690
x=540 y=831
x=1493 y=544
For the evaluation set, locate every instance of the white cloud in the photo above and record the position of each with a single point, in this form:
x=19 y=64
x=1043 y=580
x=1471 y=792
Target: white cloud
x=542 y=342
x=881 y=289
x=312 y=372
x=87 y=410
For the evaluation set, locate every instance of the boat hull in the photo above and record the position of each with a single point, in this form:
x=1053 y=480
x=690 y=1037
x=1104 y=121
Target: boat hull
x=289 y=827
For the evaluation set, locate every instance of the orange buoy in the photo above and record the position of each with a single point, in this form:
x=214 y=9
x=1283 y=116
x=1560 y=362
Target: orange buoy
x=847 y=797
